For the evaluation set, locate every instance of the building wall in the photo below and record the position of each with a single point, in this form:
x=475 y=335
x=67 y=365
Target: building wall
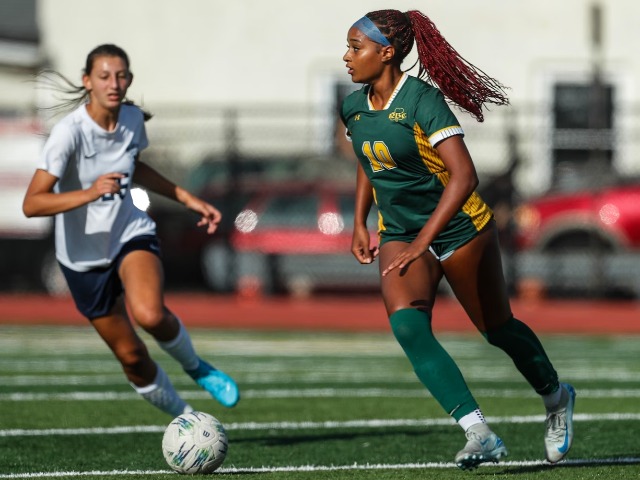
x=285 y=57
x=252 y=51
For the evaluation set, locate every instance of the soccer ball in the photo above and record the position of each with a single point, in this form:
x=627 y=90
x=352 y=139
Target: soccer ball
x=194 y=442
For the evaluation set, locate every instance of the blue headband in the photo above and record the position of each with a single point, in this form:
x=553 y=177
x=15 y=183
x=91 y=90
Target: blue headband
x=369 y=28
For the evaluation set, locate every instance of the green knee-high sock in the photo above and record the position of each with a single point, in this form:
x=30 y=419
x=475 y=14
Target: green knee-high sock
x=432 y=364
x=519 y=342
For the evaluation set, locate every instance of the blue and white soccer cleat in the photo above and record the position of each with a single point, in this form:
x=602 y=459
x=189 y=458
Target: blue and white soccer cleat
x=220 y=385
x=482 y=446
x=558 y=436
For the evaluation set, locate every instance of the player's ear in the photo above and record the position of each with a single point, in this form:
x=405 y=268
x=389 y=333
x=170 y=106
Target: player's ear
x=130 y=79
x=388 y=52
x=86 y=82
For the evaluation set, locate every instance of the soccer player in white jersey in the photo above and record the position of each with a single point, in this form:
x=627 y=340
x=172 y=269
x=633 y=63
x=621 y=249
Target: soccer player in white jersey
x=106 y=247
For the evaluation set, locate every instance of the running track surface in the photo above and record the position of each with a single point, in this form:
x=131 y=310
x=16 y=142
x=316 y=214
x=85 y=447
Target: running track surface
x=335 y=313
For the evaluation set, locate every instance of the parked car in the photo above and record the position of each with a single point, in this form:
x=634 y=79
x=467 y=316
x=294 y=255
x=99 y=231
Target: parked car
x=608 y=219
x=583 y=242
x=286 y=228
x=294 y=238
x=183 y=242
x=228 y=183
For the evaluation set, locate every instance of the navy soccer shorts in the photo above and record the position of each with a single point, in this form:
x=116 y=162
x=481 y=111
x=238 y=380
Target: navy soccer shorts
x=96 y=291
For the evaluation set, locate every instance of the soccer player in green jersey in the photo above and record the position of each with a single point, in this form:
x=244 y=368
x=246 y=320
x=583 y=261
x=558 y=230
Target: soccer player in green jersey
x=414 y=164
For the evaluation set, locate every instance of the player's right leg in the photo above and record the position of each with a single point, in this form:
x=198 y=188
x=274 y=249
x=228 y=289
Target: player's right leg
x=142 y=277
x=482 y=446
x=409 y=296
x=144 y=375
x=98 y=296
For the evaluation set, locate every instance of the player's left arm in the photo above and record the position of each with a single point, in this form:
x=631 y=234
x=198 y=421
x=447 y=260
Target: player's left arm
x=151 y=179
x=463 y=180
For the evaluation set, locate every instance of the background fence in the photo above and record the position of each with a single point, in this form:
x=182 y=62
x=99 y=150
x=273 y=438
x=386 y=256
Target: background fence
x=283 y=167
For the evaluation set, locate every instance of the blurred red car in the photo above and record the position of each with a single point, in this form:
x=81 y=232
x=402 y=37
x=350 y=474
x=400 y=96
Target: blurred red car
x=296 y=220
x=291 y=238
x=607 y=219
x=583 y=243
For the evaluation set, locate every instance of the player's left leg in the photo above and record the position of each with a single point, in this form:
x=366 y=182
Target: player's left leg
x=142 y=276
x=475 y=274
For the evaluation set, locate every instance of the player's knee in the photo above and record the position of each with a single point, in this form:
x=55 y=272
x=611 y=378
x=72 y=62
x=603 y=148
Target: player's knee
x=403 y=333
x=409 y=324
x=132 y=357
x=496 y=336
x=149 y=318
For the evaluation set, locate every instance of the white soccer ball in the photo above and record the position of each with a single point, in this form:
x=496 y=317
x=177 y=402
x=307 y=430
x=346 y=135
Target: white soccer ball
x=194 y=442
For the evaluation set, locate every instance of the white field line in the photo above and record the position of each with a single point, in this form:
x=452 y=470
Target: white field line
x=327 y=425
x=330 y=375
x=309 y=393
x=334 y=468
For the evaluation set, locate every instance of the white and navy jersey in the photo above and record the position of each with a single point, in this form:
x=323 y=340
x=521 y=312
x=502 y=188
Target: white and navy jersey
x=78 y=151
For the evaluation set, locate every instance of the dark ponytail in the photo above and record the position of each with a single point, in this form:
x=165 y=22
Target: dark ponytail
x=72 y=95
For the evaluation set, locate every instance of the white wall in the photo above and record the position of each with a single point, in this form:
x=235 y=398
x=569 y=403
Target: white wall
x=248 y=51
x=239 y=53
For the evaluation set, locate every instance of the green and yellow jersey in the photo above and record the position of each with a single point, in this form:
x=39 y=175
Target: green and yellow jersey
x=396 y=147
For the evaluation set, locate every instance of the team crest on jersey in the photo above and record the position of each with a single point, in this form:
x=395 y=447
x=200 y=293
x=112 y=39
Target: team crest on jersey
x=397 y=115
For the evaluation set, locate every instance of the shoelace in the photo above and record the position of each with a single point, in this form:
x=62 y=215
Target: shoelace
x=472 y=435
x=556 y=426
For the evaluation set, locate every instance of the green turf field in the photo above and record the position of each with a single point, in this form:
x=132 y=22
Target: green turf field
x=315 y=406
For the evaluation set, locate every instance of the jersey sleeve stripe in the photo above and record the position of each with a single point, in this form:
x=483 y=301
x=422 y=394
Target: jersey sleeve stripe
x=445 y=133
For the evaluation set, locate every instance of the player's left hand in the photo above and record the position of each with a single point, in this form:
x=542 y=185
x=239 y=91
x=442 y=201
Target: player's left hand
x=405 y=257
x=210 y=215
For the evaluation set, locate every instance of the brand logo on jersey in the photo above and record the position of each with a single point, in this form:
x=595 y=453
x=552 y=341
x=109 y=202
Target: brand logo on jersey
x=397 y=115
x=357 y=117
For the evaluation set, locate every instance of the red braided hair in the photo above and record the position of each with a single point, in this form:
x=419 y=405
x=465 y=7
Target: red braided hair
x=439 y=63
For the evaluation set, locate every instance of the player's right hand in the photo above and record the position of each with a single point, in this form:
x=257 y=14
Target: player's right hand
x=109 y=183
x=360 y=246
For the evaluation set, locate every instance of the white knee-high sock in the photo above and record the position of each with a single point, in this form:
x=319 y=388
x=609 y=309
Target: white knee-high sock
x=162 y=395
x=181 y=349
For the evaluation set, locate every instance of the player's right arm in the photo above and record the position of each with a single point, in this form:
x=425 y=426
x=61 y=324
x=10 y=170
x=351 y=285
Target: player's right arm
x=361 y=241
x=41 y=201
